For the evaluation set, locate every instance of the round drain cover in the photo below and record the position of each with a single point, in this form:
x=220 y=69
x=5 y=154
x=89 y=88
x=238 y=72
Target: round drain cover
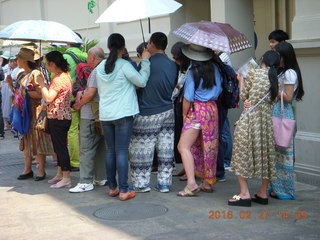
x=132 y=211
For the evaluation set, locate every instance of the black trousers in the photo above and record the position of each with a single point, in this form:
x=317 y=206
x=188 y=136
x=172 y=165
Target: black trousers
x=59 y=134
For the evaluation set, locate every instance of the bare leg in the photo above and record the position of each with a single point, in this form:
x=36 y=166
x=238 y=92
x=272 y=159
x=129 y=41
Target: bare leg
x=186 y=140
x=244 y=190
x=263 y=190
x=27 y=163
x=58 y=176
x=41 y=164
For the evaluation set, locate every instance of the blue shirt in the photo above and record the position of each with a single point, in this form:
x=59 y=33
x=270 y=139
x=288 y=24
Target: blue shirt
x=156 y=96
x=118 y=98
x=201 y=94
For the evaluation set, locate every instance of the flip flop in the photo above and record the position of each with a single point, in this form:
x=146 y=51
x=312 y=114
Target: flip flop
x=240 y=202
x=260 y=200
x=188 y=193
x=273 y=196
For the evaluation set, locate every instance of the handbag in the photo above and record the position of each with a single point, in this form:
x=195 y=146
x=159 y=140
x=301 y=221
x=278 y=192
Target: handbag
x=21 y=109
x=283 y=129
x=41 y=122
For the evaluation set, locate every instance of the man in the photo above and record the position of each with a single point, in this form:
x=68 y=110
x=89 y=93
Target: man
x=153 y=128
x=73 y=138
x=92 y=144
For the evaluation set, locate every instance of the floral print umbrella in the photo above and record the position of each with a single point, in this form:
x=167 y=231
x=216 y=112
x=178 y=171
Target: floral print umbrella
x=217 y=36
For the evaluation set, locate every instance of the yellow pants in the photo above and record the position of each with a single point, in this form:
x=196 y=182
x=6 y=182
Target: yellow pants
x=73 y=139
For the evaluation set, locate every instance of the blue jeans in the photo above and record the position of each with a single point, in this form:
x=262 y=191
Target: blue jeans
x=117 y=134
x=227 y=142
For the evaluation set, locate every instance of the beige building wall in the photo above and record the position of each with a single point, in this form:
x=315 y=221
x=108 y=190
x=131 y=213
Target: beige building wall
x=306 y=41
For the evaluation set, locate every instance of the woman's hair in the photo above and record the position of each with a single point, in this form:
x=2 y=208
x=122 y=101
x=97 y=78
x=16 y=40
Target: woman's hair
x=57 y=58
x=34 y=65
x=288 y=55
x=4 y=62
x=272 y=60
x=278 y=35
x=115 y=42
x=179 y=56
x=203 y=70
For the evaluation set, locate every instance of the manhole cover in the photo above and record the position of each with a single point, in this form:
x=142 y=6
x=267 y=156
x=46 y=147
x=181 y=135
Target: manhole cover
x=132 y=211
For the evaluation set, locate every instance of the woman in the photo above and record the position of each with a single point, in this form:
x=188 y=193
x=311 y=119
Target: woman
x=34 y=143
x=177 y=97
x=253 y=149
x=290 y=80
x=57 y=97
x=8 y=65
x=118 y=104
x=198 y=143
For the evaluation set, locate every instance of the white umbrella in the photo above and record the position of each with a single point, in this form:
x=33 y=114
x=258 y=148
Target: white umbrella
x=131 y=10
x=39 y=30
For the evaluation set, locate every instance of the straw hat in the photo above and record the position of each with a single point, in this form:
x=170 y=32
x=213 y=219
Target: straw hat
x=6 y=55
x=28 y=54
x=197 y=53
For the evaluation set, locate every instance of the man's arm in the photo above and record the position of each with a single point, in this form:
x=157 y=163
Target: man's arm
x=86 y=98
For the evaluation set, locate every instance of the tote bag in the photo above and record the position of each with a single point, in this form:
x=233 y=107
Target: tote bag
x=21 y=110
x=283 y=129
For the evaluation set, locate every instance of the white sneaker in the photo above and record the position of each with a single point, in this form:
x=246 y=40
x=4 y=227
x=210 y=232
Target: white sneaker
x=82 y=187
x=99 y=182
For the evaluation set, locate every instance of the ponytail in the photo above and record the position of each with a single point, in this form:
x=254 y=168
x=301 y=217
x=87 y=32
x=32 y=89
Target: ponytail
x=272 y=60
x=273 y=78
x=111 y=61
x=115 y=43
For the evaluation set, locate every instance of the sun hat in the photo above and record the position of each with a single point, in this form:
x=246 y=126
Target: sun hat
x=197 y=53
x=6 y=55
x=28 y=54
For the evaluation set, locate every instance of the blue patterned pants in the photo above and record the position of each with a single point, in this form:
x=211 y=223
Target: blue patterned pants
x=150 y=133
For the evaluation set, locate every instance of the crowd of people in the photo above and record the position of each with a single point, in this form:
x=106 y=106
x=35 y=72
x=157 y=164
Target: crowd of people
x=161 y=111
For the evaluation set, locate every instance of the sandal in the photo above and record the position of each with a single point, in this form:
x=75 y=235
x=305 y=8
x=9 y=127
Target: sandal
x=188 y=193
x=113 y=192
x=239 y=201
x=207 y=190
x=179 y=174
x=273 y=195
x=260 y=200
x=183 y=178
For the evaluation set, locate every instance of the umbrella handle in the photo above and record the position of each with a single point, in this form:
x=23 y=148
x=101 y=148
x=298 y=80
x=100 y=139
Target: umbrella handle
x=142 y=30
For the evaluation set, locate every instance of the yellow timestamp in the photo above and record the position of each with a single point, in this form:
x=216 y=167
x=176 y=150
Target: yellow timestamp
x=264 y=214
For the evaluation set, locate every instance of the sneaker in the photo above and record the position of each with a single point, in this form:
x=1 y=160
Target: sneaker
x=100 y=182
x=82 y=187
x=162 y=188
x=139 y=190
x=221 y=179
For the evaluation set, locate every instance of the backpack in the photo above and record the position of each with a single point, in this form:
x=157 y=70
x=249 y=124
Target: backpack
x=230 y=87
x=83 y=72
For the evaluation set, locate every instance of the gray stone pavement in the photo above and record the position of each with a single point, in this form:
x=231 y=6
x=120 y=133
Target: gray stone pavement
x=31 y=210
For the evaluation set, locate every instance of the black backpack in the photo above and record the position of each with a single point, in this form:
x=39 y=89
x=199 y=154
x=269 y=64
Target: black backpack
x=230 y=87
